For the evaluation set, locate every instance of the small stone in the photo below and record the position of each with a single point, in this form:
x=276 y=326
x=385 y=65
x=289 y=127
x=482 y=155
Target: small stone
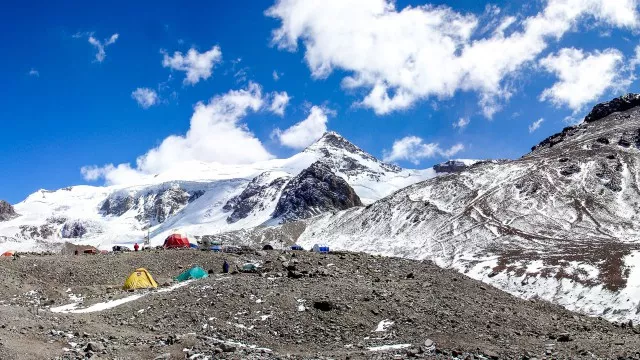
x=227 y=347
x=491 y=354
x=94 y=347
x=428 y=343
x=564 y=337
x=164 y=356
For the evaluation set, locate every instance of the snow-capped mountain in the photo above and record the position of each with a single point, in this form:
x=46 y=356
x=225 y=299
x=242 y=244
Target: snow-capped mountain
x=562 y=223
x=202 y=199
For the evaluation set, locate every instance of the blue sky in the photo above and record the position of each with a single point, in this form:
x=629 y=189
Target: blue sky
x=63 y=109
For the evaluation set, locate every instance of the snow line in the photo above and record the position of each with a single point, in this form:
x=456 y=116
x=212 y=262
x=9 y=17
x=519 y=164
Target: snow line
x=72 y=308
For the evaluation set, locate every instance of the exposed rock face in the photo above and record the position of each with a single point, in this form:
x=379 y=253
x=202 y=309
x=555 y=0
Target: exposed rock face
x=72 y=230
x=314 y=191
x=258 y=194
x=154 y=207
x=622 y=103
x=7 y=212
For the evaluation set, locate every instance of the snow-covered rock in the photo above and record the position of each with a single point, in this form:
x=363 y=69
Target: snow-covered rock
x=562 y=223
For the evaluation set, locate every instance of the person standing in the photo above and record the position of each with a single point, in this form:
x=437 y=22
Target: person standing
x=136 y=247
x=225 y=267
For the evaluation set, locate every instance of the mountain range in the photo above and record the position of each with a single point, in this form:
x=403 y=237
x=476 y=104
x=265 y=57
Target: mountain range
x=561 y=223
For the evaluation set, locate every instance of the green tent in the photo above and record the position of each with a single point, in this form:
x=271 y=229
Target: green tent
x=195 y=272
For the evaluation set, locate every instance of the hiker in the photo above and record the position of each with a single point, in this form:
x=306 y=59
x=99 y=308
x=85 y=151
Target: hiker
x=225 y=267
x=76 y=252
x=136 y=247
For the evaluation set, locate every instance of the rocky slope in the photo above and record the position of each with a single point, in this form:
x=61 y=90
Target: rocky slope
x=561 y=223
x=299 y=305
x=199 y=199
x=7 y=212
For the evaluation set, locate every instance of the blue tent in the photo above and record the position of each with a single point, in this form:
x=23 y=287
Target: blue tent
x=216 y=248
x=296 y=247
x=321 y=248
x=193 y=246
x=195 y=272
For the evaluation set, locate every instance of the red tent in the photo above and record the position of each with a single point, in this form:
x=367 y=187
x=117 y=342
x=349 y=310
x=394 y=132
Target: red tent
x=175 y=241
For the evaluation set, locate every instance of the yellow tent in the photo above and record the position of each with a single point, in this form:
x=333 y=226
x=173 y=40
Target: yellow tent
x=140 y=279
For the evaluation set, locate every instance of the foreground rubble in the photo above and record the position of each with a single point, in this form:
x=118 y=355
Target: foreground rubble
x=298 y=305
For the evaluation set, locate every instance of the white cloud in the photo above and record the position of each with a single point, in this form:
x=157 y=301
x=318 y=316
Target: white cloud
x=305 y=132
x=279 y=102
x=145 y=97
x=275 y=75
x=100 y=46
x=34 y=72
x=413 y=149
x=216 y=134
x=401 y=56
x=583 y=77
x=535 y=125
x=461 y=123
x=198 y=66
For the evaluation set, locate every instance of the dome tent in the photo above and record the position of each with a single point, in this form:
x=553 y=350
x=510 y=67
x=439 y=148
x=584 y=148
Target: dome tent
x=195 y=272
x=176 y=241
x=139 y=279
x=9 y=253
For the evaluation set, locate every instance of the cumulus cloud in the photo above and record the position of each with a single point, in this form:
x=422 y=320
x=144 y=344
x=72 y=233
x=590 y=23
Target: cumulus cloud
x=306 y=131
x=34 y=72
x=198 y=66
x=414 y=149
x=279 y=102
x=216 y=134
x=535 y=125
x=145 y=97
x=276 y=75
x=401 y=56
x=583 y=77
x=461 y=123
x=101 y=45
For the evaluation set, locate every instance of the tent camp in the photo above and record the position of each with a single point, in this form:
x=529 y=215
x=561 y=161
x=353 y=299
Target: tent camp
x=296 y=247
x=216 y=248
x=9 y=253
x=195 y=272
x=140 y=279
x=176 y=241
x=321 y=248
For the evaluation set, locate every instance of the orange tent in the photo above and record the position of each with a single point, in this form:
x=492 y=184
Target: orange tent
x=9 y=253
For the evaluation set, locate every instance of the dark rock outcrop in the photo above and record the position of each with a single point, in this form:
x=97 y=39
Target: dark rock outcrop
x=451 y=166
x=622 y=103
x=314 y=191
x=7 y=212
x=255 y=197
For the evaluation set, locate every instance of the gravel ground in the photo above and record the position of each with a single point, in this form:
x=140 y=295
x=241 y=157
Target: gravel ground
x=299 y=305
